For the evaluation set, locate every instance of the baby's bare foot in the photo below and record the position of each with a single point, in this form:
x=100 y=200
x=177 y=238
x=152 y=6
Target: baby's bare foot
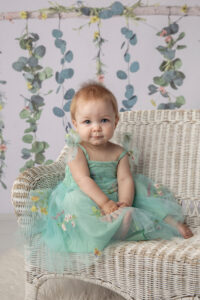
x=184 y=230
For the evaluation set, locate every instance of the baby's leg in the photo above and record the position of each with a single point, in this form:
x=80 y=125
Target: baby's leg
x=183 y=229
x=125 y=225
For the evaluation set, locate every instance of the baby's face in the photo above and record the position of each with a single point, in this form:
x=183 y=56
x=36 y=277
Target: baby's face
x=95 y=121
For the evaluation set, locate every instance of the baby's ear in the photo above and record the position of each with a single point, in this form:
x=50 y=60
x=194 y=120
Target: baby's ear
x=74 y=123
x=116 y=120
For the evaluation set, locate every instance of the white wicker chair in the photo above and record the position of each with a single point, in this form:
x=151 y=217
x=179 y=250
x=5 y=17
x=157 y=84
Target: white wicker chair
x=169 y=144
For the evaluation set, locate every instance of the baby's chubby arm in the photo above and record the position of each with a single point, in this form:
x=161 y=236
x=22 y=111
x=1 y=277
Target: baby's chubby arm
x=81 y=174
x=125 y=183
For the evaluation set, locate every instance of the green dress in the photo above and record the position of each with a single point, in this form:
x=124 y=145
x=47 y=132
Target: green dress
x=72 y=223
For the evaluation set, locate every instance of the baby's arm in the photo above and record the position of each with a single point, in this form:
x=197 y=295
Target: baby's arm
x=81 y=174
x=125 y=183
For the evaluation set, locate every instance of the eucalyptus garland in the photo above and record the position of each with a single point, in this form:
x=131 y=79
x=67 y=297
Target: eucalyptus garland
x=170 y=68
x=96 y=15
x=130 y=40
x=3 y=143
x=65 y=73
x=34 y=74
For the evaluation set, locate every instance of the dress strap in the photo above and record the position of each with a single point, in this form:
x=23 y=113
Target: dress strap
x=122 y=155
x=84 y=150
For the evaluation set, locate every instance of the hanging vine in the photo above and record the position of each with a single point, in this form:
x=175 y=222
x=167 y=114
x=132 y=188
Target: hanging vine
x=65 y=73
x=34 y=75
x=131 y=40
x=170 y=68
x=3 y=143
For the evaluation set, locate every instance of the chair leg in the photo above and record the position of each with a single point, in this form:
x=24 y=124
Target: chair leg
x=31 y=291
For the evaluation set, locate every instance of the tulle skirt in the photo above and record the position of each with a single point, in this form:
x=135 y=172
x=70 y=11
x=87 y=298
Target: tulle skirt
x=72 y=233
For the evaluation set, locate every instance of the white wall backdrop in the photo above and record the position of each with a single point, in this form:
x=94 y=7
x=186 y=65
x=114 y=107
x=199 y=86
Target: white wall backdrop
x=50 y=128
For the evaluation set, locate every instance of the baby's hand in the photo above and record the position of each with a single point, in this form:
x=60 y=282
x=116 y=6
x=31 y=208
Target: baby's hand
x=123 y=204
x=109 y=207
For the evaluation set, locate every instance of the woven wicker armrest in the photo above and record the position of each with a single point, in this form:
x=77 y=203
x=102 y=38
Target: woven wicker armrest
x=37 y=177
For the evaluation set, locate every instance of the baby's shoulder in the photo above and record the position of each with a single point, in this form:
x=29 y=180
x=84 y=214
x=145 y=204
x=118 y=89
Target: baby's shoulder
x=117 y=149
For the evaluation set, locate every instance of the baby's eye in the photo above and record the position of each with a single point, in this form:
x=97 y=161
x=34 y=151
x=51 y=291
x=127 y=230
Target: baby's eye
x=104 y=120
x=87 y=122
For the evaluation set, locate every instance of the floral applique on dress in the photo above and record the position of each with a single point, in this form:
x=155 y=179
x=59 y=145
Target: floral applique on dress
x=40 y=201
x=64 y=219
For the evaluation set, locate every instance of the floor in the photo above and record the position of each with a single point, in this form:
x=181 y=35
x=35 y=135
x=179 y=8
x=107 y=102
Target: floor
x=8 y=226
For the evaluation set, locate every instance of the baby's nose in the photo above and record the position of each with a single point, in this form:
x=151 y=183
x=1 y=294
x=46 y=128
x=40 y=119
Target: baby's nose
x=97 y=127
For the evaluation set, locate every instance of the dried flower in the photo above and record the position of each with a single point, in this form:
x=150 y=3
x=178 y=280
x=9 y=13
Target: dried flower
x=163 y=32
x=2 y=147
x=29 y=86
x=23 y=15
x=35 y=198
x=33 y=208
x=96 y=35
x=63 y=227
x=168 y=39
x=43 y=210
x=184 y=9
x=94 y=19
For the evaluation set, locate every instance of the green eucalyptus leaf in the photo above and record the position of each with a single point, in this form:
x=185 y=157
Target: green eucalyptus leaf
x=133 y=40
x=117 y=8
x=42 y=76
x=48 y=162
x=29 y=164
x=59 y=78
x=169 y=54
x=160 y=81
x=66 y=107
x=134 y=67
x=28 y=76
x=181 y=36
x=153 y=89
x=24 y=114
x=177 y=63
x=22 y=43
x=180 y=47
x=124 y=30
x=57 y=33
x=49 y=72
x=69 y=94
x=121 y=75
x=46 y=145
x=33 y=128
x=86 y=11
x=173 y=86
x=38 y=100
x=27 y=138
x=25 y=153
x=61 y=44
x=58 y=112
x=127 y=57
x=129 y=34
x=37 y=147
x=3 y=185
x=33 y=61
x=38 y=115
x=169 y=75
x=35 y=37
x=18 y=66
x=23 y=60
x=39 y=158
x=69 y=56
x=106 y=14
x=40 y=51
x=180 y=101
x=67 y=73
